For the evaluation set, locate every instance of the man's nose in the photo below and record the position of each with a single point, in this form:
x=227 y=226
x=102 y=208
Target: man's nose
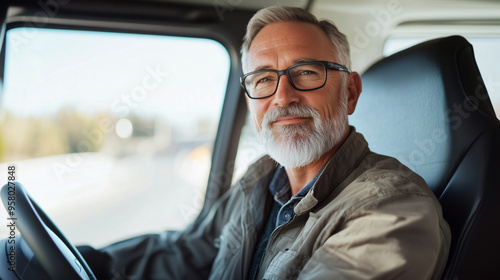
x=285 y=93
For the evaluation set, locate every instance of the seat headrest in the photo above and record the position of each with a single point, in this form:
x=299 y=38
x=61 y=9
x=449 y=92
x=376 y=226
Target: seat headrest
x=425 y=106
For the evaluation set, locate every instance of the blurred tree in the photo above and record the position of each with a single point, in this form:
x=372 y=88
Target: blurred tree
x=78 y=129
x=29 y=137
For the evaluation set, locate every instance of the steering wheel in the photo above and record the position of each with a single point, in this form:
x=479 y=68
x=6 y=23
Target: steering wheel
x=56 y=254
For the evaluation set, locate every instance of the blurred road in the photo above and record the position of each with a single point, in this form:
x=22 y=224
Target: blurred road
x=102 y=199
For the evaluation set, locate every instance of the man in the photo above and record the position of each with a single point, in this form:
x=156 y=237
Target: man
x=330 y=209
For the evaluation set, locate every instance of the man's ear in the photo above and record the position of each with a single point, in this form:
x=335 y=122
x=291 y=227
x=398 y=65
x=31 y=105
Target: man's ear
x=353 y=91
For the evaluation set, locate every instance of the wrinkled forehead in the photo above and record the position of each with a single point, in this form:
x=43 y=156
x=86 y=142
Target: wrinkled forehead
x=280 y=44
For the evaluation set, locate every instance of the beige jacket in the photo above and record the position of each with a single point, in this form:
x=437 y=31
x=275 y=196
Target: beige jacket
x=366 y=217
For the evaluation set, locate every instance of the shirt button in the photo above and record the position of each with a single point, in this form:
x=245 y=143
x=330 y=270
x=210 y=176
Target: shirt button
x=287 y=216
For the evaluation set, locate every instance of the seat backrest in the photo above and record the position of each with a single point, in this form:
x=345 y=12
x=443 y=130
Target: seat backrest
x=428 y=107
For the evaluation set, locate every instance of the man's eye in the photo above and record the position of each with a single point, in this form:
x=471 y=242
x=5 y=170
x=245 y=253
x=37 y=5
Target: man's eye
x=307 y=72
x=263 y=80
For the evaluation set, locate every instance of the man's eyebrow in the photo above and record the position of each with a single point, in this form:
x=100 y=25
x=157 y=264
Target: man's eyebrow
x=297 y=61
x=305 y=60
x=262 y=67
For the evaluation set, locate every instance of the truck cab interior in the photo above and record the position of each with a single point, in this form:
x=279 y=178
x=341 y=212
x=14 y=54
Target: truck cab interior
x=122 y=118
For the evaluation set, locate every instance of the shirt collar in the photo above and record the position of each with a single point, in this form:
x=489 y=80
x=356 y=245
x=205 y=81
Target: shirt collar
x=280 y=186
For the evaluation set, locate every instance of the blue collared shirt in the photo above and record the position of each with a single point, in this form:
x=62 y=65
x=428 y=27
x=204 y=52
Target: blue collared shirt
x=281 y=191
x=281 y=212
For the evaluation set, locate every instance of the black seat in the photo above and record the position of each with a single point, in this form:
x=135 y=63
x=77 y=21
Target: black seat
x=428 y=107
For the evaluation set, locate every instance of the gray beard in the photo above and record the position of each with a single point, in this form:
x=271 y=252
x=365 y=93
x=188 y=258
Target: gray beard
x=301 y=144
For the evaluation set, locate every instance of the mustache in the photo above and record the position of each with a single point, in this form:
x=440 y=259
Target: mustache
x=294 y=110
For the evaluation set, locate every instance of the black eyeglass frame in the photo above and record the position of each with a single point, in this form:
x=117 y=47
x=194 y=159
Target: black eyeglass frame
x=327 y=64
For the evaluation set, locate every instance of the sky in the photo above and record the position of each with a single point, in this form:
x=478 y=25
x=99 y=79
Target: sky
x=149 y=75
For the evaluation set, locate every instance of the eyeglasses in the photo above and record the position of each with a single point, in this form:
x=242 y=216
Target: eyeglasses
x=303 y=76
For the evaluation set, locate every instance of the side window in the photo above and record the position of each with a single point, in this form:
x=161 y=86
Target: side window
x=111 y=133
x=485 y=50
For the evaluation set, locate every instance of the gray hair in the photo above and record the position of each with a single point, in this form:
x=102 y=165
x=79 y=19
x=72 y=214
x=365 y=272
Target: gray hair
x=292 y=14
